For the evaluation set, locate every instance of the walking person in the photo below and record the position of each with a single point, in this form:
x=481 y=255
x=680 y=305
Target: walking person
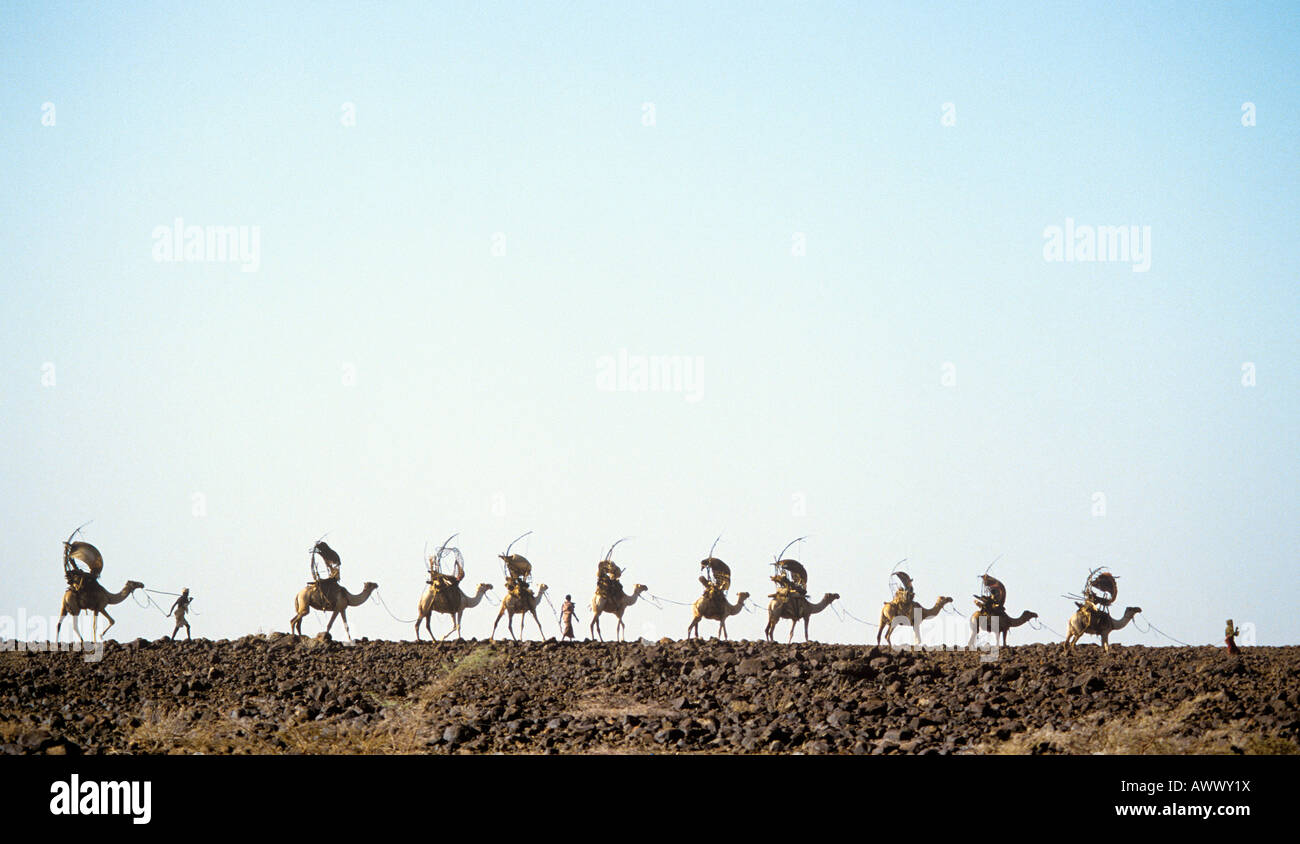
x=567 y=617
x=178 y=612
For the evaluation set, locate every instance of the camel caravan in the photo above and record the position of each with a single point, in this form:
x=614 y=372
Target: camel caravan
x=446 y=571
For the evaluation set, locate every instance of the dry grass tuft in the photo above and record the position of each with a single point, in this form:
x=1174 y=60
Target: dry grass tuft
x=1163 y=732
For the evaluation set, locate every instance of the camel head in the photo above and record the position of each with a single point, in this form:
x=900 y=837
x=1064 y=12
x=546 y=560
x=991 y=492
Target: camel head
x=1132 y=610
x=640 y=587
x=132 y=585
x=835 y=596
x=944 y=601
x=370 y=586
x=483 y=587
x=540 y=590
x=1029 y=614
x=742 y=597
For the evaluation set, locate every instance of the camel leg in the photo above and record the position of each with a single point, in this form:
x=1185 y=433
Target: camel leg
x=59 y=626
x=793 y=622
x=75 y=628
x=111 y=622
x=540 y=632
x=694 y=625
x=722 y=629
x=498 y=621
x=455 y=627
x=619 y=630
x=880 y=628
x=594 y=628
x=974 y=630
x=331 y=621
x=344 y=613
x=805 y=628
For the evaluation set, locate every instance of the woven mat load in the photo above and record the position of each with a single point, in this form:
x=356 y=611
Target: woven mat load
x=719 y=576
x=83 y=553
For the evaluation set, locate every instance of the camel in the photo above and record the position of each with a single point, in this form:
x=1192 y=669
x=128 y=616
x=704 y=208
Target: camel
x=895 y=613
x=1102 y=625
x=93 y=597
x=995 y=624
x=715 y=608
x=449 y=601
x=332 y=599
x=794 y=607
x=519 y=603
x=615 y=602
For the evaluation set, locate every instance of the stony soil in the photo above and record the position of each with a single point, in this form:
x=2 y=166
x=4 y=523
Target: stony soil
x=275 y=694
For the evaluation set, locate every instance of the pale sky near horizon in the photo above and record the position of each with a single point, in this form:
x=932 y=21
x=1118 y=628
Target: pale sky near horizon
x=834 y=215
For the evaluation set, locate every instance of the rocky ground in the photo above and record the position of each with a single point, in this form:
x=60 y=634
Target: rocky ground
x=275 y=694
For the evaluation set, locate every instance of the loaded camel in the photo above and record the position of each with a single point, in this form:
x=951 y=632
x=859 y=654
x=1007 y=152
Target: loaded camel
x=519 y=597
x=991 y=611
x=332 y=598
x=94 y=598
x=1093 y=616
x=714 y=606
x=519 y=603
x=904 y=609
x=85 y=593
x=794 y=607
x=610 y=596
x=444 y=594
x=790 y=600
x=1096 y=623
x=614 y=601
x=449 y=601
x=996 y=623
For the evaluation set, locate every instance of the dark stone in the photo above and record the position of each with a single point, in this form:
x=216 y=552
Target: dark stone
x=458 y=733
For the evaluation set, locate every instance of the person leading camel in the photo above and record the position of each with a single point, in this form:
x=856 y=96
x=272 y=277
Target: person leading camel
x=178 y=612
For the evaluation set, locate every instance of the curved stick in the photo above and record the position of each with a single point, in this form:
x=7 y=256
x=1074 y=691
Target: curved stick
x=516 y=539
x=612 y=547
x=787 y=547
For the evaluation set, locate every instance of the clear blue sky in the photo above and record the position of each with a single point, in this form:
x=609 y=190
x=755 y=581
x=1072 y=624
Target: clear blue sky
x=474 y=404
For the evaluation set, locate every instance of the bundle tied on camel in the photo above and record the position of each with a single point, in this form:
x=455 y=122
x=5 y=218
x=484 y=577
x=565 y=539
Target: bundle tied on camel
x=791 y=576
x=519 y=571
x=904 y=594
x=439 y=579
x=332 y=561
x=719 y=575
x=84 y=552
x=994 y=597
x=608 y=575
x=1100 y=588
